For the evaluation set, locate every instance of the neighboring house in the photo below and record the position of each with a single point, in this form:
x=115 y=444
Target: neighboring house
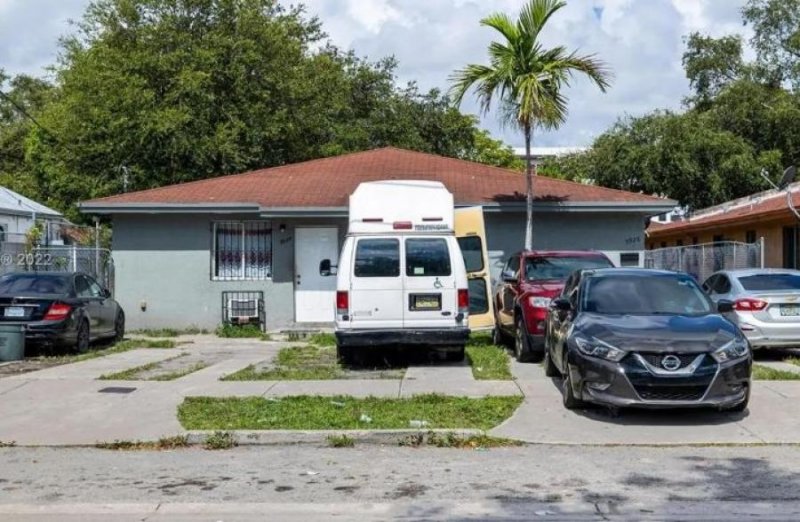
x=765 y=214
x=177 y=248
x=539 y=154
x=18 y=214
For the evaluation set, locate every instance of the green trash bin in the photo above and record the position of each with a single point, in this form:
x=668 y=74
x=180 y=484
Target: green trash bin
x=12 y=342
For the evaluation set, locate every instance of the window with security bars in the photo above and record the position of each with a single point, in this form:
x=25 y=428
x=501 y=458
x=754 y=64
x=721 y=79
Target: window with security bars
x=242 y=250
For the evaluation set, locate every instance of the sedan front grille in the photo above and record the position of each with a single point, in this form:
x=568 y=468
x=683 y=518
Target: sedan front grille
x=671 y=393
x=655 y=358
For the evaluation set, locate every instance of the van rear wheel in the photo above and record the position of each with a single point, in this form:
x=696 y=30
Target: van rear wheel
x=344 y=354
x=456 y=355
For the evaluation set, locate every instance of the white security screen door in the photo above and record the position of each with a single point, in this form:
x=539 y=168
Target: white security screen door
x=314 y=295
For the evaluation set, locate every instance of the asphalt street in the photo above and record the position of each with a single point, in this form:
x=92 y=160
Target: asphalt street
x=369 y=482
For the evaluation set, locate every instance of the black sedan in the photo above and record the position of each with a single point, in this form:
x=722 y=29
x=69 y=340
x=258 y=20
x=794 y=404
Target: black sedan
x=61 y=310
x=645 y=338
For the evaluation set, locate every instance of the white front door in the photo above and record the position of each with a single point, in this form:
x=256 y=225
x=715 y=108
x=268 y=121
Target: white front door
x=314 y=294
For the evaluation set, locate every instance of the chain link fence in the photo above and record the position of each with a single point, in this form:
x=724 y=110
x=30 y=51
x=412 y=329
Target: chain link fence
x=97 y=262
x=701 y=261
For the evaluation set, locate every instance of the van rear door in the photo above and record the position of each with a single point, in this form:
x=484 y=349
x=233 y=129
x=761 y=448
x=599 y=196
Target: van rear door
x=430 y=295
x=376 y=286
x=471 y=234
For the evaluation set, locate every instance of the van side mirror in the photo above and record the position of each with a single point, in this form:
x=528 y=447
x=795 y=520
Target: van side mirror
x=508 y=276
x=562 y=304
x=724 y=306
x=326 y=269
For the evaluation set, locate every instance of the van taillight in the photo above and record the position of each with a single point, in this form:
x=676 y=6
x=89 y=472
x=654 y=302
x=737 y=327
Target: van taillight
x=402 y=225
x=57 y=311
x=463 y=300
x=342 y=302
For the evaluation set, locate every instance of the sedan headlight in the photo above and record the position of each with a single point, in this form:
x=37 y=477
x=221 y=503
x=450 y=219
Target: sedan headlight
x=597 y=348
x=735 y=349
x=540 y=302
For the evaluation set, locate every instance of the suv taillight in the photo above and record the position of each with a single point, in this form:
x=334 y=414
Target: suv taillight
x=57 y=311
x=342 y=302
x=463 y=300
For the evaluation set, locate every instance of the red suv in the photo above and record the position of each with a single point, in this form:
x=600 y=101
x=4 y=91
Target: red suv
x=529 y=281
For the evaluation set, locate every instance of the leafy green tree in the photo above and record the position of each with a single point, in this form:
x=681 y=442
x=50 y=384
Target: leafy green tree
x=21 y=98
x=711 y=64
x=682 y=156
x=776 y=39
x=527 y=79
x=492 y=152
x=155 y=92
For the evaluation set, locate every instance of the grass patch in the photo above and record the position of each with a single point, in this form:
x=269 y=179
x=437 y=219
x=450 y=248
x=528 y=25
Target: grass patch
x=792 y=360
x=171 y=376
x=488 y=361
x=244 y=331
x=454 y=440
x=323 y=339
x=122 y=346
x=765 y=373
x=129 y=374
x=340 y=441
x=307 y=362
x=343 y=412
x=166 y=443
x=220 y=440
x=310 y=362
x=169 y=332
x=132 y=374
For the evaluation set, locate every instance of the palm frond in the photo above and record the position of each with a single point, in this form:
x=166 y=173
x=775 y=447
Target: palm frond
x=535 y=14
x=503 y=24
x=526 y=78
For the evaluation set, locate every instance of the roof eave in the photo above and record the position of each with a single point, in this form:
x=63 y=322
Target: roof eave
x=652 y=208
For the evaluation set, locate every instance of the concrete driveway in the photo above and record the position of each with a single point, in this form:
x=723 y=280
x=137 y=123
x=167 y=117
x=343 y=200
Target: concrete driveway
x=67 y=405
x=773 y=417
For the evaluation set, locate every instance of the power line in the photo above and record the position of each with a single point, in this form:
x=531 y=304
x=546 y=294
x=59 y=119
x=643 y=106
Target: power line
x=25 y=113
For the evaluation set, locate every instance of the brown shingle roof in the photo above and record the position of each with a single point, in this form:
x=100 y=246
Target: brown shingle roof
x=328 y=182
x=768 y=207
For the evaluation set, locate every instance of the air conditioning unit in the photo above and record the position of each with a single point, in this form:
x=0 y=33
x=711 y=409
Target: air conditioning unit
x=242 y=310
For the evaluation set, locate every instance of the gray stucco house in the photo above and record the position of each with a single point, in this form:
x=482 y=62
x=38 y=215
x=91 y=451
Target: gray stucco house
x=177 y=249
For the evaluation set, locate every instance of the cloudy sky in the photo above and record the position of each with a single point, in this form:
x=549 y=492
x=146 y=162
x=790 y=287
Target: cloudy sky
x=641 y=40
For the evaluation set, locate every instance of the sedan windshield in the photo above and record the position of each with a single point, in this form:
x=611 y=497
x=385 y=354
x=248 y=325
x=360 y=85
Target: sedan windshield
x=30 y=284
x=644 y=295
x=560 y=267
x=767 y=282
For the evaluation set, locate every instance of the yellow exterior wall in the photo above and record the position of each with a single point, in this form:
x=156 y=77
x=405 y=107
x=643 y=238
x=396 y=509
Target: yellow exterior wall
x=772 y=232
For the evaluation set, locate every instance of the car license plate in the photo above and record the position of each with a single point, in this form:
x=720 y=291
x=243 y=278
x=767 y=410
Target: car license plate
x=426 y=302
x=790 y=310
x=14 y=311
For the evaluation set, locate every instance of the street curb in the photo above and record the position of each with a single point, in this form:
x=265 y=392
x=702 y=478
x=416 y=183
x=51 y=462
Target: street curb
x=317 y=437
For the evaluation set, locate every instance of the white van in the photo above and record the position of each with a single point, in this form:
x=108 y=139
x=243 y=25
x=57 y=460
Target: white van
x=401 y=276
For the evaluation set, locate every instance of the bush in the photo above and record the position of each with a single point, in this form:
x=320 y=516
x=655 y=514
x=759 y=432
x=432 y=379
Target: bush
x=240 y=331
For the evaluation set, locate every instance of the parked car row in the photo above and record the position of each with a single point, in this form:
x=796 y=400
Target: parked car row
x=638 y=337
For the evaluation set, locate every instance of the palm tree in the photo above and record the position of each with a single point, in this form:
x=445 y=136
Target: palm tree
x=527 y=79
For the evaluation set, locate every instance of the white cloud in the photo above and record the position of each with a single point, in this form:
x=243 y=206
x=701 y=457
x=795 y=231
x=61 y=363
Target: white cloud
x=641 y=40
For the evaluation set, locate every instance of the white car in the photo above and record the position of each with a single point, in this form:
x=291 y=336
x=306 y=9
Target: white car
x=401 y=277
x=766 y=304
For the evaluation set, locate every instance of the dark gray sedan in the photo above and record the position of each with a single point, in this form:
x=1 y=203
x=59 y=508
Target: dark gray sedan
x=646 y=338
x=64 y=310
